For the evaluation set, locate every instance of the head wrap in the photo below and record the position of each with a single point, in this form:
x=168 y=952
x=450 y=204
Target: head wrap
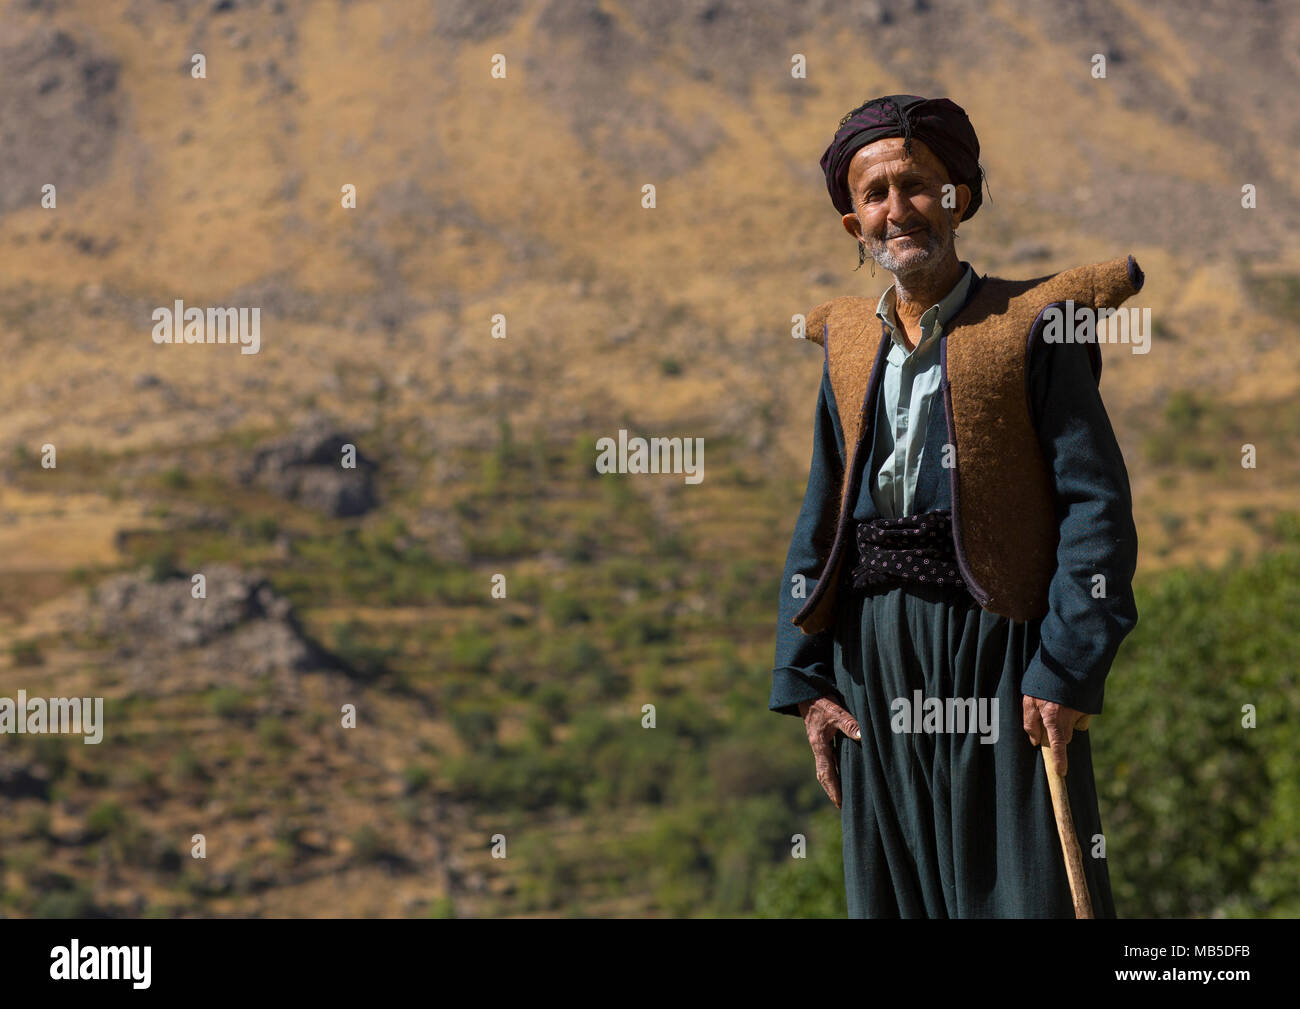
x=941 y=124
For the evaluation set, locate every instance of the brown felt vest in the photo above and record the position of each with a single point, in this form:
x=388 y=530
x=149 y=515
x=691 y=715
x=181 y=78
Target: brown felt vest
x=1004 y=523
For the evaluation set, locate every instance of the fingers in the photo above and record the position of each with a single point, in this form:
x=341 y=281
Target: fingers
x=823 y=719
x=827 y=773
x=1058 y=738
x=1031 y=720
x=1047 y=721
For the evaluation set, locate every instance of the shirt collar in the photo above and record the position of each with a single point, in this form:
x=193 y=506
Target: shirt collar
x=934 y=318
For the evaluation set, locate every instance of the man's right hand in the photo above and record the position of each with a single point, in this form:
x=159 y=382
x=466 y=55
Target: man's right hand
x=823 y=718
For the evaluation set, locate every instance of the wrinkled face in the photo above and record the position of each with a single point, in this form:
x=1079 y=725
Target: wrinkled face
x=900 y=214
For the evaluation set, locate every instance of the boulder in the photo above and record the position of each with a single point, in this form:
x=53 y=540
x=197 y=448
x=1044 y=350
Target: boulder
x=307 y=467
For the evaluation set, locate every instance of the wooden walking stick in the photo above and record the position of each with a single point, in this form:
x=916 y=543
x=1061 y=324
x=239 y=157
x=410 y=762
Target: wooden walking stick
x=1069 y=841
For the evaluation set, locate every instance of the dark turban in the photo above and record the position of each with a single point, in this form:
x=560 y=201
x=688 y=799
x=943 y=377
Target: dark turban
x=941 y=124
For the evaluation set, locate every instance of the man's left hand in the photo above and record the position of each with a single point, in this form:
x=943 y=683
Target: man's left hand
x=1058 y=721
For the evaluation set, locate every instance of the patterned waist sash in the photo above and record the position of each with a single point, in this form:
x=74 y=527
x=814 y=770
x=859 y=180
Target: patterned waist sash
x=915 y=550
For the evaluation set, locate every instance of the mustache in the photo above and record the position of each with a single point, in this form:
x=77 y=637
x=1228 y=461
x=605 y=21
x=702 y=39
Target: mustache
x=920 y=226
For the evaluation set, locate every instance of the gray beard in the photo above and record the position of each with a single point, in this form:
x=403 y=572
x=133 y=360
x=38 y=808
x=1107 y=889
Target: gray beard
x=913 y=263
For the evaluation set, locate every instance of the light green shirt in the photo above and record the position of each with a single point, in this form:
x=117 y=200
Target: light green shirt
x=910 y=380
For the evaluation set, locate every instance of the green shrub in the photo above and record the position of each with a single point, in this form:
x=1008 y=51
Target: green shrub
x=273 y=733
x=175 y=478
x=72 y=902
x=416 y=778
x=809 y=887
x=106 y=818
x=472 y=649
x=227 y=702
x=369 y=845
x=26 y=653
x=1201 y=814
x=476 y=725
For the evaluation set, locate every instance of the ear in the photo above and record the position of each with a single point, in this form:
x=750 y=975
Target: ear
x=964 y=197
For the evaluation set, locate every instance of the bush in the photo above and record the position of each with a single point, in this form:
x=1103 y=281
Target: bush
x=416 y=778
x=1201 y=814
x=273 y=733
x=367 y=661
x=369 y=845
x=811 y=887
x=227 y=702
x=175 y=478
x=73 y=902
x=475 y=725
x=106 y=818
x=472 y=649
x=26 y=653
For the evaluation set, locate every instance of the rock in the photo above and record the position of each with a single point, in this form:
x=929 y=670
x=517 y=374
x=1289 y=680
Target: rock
x=165 y=613
x=240 y=635
x=61 y=110
x=307 y=467
x=19 y=781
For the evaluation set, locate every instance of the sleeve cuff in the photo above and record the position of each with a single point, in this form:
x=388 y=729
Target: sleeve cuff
x=1048 y=680
x=791 y=686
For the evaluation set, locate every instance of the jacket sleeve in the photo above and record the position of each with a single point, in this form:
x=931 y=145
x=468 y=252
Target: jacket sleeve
x=1087 y=618
x=804 y=668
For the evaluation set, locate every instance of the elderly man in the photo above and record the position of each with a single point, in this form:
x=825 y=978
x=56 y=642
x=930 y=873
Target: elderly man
x=959 y=578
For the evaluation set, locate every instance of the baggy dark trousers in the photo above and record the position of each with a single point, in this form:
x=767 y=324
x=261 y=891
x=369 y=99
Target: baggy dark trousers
x=942 y=825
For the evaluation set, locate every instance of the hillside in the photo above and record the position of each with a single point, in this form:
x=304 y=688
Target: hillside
x=522 y=195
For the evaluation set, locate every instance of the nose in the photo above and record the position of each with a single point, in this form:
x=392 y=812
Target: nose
x=901 y=215
x=898 y=202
